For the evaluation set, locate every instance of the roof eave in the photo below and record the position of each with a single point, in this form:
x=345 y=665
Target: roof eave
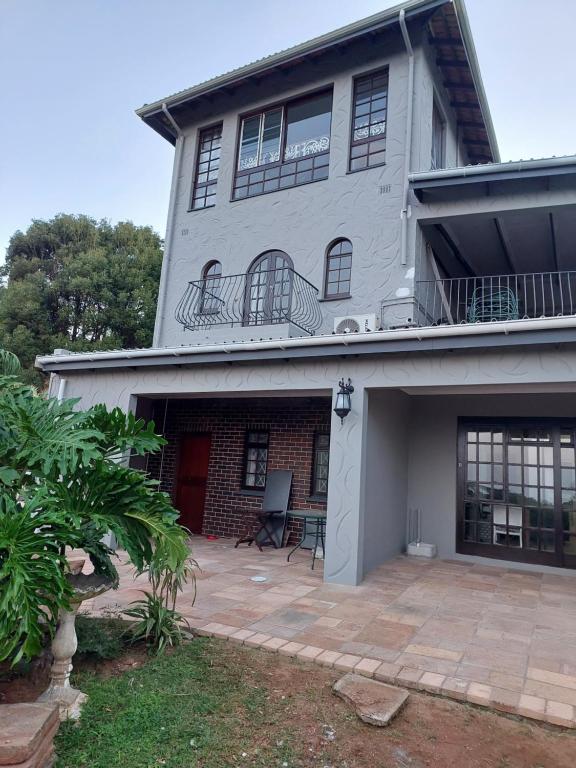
x=466 y=32
x=340 y=35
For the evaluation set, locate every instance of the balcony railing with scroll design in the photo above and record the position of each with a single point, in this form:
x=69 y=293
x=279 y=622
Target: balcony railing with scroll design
x=531 y=295
x=265 y=297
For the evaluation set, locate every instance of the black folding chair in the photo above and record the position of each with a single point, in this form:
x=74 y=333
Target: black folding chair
x=268 y=524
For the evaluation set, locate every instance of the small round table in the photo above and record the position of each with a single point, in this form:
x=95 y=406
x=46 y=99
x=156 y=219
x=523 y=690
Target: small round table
x=314 y=524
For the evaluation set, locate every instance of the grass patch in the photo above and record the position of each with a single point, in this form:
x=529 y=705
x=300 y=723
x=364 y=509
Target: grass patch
x=188 y=708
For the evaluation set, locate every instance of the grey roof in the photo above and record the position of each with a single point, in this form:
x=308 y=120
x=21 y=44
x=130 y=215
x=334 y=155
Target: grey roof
x=153 y=113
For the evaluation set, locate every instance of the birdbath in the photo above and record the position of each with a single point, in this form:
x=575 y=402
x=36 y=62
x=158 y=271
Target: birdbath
x=65 y=642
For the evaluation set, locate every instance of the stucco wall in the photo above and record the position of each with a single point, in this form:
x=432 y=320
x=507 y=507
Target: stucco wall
x=363 y=207
x=385 y=501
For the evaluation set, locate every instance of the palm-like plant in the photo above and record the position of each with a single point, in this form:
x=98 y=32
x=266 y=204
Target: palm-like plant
x=63 y=484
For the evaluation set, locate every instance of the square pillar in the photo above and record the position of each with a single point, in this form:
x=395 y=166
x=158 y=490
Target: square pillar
x=344 y=524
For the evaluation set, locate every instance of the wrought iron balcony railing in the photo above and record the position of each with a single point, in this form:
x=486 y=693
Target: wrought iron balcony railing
x=264 y=297
x=496 y=297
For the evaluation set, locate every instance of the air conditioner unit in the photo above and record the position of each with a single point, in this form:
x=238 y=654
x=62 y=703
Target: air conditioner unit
x=355 y=324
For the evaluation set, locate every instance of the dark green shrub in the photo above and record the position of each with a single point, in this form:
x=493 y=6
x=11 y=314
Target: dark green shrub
x=101 y=638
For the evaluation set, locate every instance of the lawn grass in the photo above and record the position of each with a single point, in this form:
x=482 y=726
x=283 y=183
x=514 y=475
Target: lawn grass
x=188 y=708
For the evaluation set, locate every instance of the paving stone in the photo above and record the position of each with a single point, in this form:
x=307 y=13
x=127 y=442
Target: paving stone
x=559 y=713
x=309 y=653
x=478 y=693
x=290 y=649
x=26 y=732
x=346 y=661
x=531 y=706
x=274 y=643
x=367 y=667
x=430 y=681
x=241 y=635
x=387 y=672
x=375 y=703
x=327 y=658
x=257 y=639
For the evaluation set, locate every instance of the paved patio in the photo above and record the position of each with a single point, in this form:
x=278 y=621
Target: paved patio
x=493 y=636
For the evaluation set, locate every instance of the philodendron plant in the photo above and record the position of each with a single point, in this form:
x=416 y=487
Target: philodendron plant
x=63 y=484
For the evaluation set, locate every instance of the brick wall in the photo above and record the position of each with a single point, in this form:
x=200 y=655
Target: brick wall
x=291 y=422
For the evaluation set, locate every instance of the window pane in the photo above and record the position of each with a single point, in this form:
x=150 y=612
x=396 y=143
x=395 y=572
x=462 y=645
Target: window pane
x=249 y=144
x=270 y=149
x=308 y=126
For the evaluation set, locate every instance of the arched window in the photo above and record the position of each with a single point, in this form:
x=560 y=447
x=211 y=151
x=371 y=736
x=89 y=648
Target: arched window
x=211 y=287
x=338 y=270
x=268 y=289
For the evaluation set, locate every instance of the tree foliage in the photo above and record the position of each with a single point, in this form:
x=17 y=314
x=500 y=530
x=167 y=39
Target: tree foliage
x=62 y=485
x=77 y=283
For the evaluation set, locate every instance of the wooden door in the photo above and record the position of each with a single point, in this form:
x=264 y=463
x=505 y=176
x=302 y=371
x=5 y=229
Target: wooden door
x=192 y=480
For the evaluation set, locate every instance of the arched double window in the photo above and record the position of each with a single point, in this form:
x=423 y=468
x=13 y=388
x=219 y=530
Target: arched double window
x=211 y=288
x=268 y=289
x=338 y=274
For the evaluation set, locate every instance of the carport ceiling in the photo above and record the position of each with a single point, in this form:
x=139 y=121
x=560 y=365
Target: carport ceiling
x=512 y=242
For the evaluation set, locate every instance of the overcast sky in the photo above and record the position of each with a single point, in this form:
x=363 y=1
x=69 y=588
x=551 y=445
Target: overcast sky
x=73 y=71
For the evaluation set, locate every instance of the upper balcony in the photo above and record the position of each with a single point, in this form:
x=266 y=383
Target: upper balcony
x=494 y=298
x=257 y=298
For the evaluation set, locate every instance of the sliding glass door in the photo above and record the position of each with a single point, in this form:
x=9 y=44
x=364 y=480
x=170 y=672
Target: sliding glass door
x=517 y=490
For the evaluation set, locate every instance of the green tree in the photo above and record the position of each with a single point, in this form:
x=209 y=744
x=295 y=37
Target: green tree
x=62 y=485
x=81 y=284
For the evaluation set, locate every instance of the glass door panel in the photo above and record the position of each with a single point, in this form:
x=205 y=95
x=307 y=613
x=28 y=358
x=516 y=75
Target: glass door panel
x=518 y=492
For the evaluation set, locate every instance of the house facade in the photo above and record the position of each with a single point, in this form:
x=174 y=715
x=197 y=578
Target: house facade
x=339 y=210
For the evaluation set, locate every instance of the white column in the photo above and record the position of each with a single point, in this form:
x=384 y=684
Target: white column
x=344 y=524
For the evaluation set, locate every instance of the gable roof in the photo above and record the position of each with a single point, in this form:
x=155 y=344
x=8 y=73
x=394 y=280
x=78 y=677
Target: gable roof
x=449 y=32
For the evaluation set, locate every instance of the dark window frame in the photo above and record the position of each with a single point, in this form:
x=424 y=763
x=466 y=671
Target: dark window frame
x=210 y=282
x=353 y=143
x=555 y=426
x=438 y=120
x=248 y=444
x=275 y=175
x=196 y=185
x=314 y=492
x=328 y=258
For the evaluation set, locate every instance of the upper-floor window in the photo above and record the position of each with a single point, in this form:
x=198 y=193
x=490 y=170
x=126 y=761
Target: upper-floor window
x=211 y=287
x=207 y=165
x=438 y=139
x=284 y=146
x=370 y=104
x=338 y=270
x=268 y=289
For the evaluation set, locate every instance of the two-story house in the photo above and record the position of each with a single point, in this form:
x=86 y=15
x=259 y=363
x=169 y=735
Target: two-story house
x=339 y=210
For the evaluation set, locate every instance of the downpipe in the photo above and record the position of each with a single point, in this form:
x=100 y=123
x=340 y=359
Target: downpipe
x=405 y=212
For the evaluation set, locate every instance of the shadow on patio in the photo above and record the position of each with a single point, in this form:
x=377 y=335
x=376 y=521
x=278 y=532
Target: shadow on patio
x=492 y=636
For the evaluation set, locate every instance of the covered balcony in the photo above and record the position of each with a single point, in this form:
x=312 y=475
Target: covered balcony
x=259 y=297
x=499 y=242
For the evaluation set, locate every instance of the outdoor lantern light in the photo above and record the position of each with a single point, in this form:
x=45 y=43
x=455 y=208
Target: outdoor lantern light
x=343 y=401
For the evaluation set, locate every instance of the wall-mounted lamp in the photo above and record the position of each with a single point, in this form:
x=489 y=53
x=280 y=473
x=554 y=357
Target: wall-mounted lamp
x=343 y=401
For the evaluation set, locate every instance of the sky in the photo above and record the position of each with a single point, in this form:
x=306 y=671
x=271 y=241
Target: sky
x=73 y=71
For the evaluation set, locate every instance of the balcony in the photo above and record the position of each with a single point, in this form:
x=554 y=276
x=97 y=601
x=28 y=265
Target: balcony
x=263 y=297
x=532 y=295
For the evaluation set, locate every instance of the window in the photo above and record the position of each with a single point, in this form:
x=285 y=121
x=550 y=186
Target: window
x=211 y=287
x=437 y=139
x=207 y=164
x=256 y=460
x=268 y=289
x=284 y=146
x=338 y=270
x=368 y=145
x=320 y=463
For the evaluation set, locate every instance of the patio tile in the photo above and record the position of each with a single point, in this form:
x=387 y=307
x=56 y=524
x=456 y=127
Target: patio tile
x=328 y=658
x=259 y=638
x=387 y=672
x=500 y=637
x=290 y=649
x=367 y=667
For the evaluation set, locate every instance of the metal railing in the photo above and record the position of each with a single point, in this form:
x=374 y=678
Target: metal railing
x=263 y=297
x=496 y=297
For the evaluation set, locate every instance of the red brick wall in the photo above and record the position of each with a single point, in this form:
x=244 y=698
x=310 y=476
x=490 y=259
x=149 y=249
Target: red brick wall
x=291 y=422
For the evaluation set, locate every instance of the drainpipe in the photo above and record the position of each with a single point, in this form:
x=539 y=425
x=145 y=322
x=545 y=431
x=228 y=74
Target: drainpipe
x=404 y=213
x=169 y=227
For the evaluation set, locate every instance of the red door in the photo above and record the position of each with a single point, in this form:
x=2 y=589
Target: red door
x=192 y=480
